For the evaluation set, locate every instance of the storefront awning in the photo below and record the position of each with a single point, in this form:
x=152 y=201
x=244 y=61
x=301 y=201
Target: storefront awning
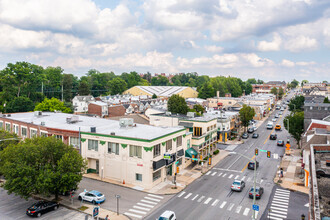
x=191 y=151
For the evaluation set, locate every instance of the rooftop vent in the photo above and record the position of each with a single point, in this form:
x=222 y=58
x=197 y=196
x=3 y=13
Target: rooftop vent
x=8 y=115
x=190 y=114
x=93 y=129
x=112 y=133
x=126 y=122
x=37 y=113
x=72 y=119
x=43 y=123
x=168 y=113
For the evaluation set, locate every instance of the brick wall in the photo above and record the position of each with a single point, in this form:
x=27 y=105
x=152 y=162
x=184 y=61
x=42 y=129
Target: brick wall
x=95 y=109
x=118 y=110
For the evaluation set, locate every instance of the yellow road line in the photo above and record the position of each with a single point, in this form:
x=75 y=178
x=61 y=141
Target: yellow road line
x=248 y=163
x=269 y=135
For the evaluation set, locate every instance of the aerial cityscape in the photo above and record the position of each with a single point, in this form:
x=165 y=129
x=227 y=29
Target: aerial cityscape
x=166 y=110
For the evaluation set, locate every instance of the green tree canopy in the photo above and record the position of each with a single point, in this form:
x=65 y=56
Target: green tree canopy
x=274 y=91
x=117 y=86
x=159 y=81
x=280 y=93
x=326 y=100
x=206 y=91
x=177 y=104
x=303 y=82
x=52 y=105
x=154 y=96
x=199 y=108
x=20 y=104
x=42 y=165
x=294 y=83
x=7 y=138
x=84 y=88
x=246 y=114
x=294 y=124
x=297 y=103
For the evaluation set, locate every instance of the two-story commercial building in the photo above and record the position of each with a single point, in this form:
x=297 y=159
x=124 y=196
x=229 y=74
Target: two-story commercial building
x=121 y=151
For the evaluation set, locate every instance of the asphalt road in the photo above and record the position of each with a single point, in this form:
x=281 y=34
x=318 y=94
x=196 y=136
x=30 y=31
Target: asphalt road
x=13 y=208
x=210 y=197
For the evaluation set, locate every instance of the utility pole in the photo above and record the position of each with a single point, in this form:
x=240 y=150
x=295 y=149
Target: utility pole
x=62 y=92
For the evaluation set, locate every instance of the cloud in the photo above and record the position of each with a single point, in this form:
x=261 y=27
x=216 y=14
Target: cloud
x=273 y=45
x=301 y=43
x=214 y=49
x=287 y=63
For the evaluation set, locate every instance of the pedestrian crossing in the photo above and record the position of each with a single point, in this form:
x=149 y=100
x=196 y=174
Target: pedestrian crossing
x=280 y=205
x=231 y=176
x=216 y=203
x=141 y=208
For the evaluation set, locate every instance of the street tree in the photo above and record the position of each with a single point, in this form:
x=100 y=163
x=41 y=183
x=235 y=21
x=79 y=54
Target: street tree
x=41 y=165
x=303 y=82
x=51 y=105
x=117 y=86
x=326 y=100
x=20 y=104
x=83 y=88
x=294 y=124
x=7 y=138
x=177 y=104
x=274 y=91
x=280 y=93
x=206 y=91
x=199 y=108
x=246 y=114
x=297 y=103
x=294 y=83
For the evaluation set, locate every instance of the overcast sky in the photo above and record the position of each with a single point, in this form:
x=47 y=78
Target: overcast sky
x=266 y=39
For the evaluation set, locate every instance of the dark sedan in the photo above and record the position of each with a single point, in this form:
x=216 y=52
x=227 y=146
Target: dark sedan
x=255 y=135
x=259 y=192
x=280 y=143
x=245 y=136
x=41 y=207
x=250 y=130
x=273 y=137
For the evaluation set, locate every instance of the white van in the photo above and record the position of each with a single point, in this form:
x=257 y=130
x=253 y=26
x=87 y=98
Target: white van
x=269 y=125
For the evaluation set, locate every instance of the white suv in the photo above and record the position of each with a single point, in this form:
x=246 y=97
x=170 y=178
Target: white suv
x=167 y=215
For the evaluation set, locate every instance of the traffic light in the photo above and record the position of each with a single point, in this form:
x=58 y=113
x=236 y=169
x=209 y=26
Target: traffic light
x=177 y=169
x=256 y=152
x=201 y=157
x=210 y=160
x=268 y=154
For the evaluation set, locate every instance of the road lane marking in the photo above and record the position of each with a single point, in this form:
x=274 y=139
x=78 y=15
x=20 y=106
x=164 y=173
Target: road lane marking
x=246 y=211
x=187 y=196
x=283 y=190
x=230 y=206
x=208 y=173
x=237 y=177
x=201 y=198
x=208 y=200
x=152 y=199
x=248 y=163
x=215 y=202
x=159 y=197
x=270 y=217
x=181 y=194
x=224 y=175
x=257 y=212
x=281 y=200
x=277 y=215
x=238 y=209
x=146 y=201
x=220 y=174
x=281 y=197
x=243 y=178
x=249 y=179
x=150 y=206
x=138 y=207
x=278 y=212
x=282 y=193
x=214 y=173
x=133 y=215
x=261 y=181
x=236 y=171
x=194 y=197
x=280 y=205
x=137 y=211
x=230 y=176
x=223 y=204
x=269 y=135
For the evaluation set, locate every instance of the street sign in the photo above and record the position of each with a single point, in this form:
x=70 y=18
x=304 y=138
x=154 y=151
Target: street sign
x=194 y=159
x=263 y=150
x=167 y=156
x=96 y=211
x=176 y=162
x=255 y=207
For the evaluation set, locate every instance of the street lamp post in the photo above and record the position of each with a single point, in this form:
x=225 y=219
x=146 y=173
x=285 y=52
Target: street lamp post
x=254 y=182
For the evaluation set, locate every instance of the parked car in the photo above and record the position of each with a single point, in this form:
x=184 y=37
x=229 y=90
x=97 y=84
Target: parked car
x=167 y=215
x=255 y=135
x=274 y=119
x=245 y=135
x=259 y=192
x=277 y=127
x=92 y=196
x=251 y=165
x=254 y=128
x=273 y=137
x=250 y=130
x=238 y=185
x=41 y=207
x=280 y=143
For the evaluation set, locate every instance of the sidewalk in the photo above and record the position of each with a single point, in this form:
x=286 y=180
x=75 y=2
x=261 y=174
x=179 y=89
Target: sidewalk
x=292 y=178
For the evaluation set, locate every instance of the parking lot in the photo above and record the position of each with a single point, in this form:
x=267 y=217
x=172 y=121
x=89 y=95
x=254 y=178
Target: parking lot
x=14 y=207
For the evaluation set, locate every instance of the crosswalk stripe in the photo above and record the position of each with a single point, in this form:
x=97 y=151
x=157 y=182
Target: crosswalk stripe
x=236 y=177
x=274 y=218
x=282 y=194
x=279 y=204
x=281 y=200
x=201 y=198
x=246 y=211
x=152 y=199
x=194 y=197
x=133 y=215
x=208 y=173
x=224 y=175
x=137 y=211
x=257 y=212
x=277 y=215
x=231 y=175
x=249 y=179
x=277 y=208
x=181 y=194
x=282 y=197
x=238 y=209
x=146 y=205
x=146 y=201
x=261 y=181
x=243 y=178
x=187 y=196
x=215 y=202
x=138 y=207
x=278 y=212
x=213 y=173
x=208 y=200
x=283 y=190
x=220 y=174
x=230 y=206
x=156 y=196
x=223 y=204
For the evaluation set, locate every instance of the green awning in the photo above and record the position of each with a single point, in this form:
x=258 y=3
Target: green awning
x=191 y=151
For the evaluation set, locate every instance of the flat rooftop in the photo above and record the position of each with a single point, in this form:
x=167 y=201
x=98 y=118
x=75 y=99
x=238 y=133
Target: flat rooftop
x=103 y=126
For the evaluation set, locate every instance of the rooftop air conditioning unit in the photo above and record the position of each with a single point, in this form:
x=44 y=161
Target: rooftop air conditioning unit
x=168 y=113
x=93 y=129
x=112 y=133
x=8 y=115
x=37 y=113
x=191 y=114
x=43 y=123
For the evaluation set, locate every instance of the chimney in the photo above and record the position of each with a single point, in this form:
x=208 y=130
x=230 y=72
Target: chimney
x=218 y=94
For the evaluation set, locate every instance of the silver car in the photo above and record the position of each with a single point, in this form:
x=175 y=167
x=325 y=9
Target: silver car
x=238 y=185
